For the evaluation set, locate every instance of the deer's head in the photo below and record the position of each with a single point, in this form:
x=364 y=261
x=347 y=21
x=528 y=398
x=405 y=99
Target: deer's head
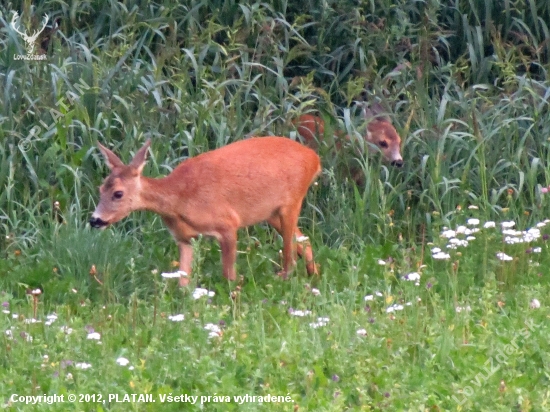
x=382 y=134
x=120 y=193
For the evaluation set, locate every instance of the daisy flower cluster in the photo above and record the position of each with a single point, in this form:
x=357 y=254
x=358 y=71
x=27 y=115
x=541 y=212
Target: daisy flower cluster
x=200 y=292
x=319 y=323
x=461 y=236
x=86 y=333
x=454 y=240
x=387 y=302
x=396 y=307
x=214 y=331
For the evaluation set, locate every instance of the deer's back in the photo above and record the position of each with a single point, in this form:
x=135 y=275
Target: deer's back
x=252 y=178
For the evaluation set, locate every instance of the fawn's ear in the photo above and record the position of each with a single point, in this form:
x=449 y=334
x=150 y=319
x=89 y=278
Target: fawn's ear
x=138 y=162
x=111 y=160
x=375 y=111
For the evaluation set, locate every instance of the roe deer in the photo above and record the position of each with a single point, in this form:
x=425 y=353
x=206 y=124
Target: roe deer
x=216 y=193
x=380 y=132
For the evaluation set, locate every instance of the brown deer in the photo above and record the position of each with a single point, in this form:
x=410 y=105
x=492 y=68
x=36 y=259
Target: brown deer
x=216 y=193
x=380 y=133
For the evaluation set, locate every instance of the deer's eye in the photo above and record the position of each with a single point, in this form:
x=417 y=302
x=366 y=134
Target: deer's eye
x=383 y=144
x=118 y=194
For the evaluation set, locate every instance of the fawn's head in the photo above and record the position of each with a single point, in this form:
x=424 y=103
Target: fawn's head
x=382 y=134
x=120 y=192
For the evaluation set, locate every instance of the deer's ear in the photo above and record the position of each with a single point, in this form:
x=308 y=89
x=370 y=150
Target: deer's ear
x=138 y=162
x=111 y=160
x=375 y=111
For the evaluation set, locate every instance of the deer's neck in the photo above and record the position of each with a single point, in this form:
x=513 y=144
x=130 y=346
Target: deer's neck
x=160 y=195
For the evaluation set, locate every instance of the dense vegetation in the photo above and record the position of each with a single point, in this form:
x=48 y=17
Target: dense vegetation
x=466 y=83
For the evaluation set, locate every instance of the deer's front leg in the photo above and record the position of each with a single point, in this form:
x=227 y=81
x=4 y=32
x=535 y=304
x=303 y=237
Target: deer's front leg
x=186 y=259
x=228 y=242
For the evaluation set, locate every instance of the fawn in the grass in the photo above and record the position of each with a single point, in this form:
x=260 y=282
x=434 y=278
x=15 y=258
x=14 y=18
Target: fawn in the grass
x=380 y=133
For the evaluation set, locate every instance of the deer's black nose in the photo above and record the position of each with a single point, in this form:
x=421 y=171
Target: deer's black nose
x=397 y=163
x=97 y=222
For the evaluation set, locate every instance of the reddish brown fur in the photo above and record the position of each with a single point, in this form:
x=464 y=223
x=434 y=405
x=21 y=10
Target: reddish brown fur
x=218 y=192
x=380 y=132
x=311 y=128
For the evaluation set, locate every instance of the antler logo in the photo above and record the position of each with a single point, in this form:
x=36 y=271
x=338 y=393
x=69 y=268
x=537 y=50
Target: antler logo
x=29 y=40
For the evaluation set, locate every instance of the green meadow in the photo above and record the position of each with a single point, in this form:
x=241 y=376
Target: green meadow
x=434 y=284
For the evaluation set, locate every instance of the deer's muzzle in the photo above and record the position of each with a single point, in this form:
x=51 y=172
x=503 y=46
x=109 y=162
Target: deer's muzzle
x=97 y=223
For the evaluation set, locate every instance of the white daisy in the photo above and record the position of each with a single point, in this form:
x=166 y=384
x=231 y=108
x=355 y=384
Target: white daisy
x=122 y=361
x=200 y=292
x=463 y=308
x=51 y=319
x=441 y=256
x=413 y=277
x=448 y=233
x=394 y=308
x=177 y=274
x=504 y=256
x=214 y=330
x=300 y=313
x=94 y=336
x=320 y=322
